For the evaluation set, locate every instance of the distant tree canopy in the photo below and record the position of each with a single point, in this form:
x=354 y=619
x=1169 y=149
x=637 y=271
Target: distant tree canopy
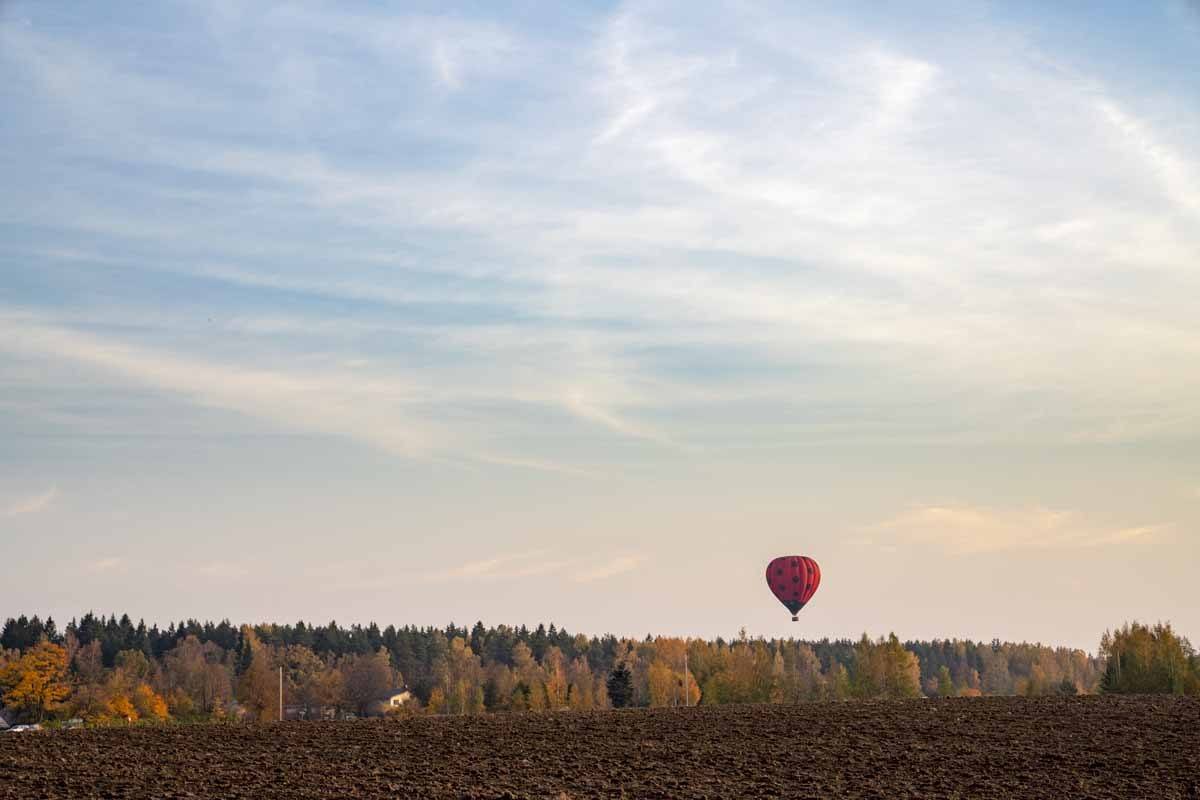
x=112 y=670
x=1140 y=659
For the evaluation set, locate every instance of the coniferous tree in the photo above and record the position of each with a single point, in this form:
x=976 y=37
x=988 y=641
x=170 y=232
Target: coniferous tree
x=620 y=686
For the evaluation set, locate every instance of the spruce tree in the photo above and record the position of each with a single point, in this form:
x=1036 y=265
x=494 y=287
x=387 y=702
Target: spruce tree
x=620 y=686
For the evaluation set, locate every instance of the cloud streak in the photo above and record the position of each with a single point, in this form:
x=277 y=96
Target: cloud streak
x=222 y=570
x=968 y=530
x=539 y=563
x=322 y=404
x=34 y=504
x=107 y=565
x=610 y=569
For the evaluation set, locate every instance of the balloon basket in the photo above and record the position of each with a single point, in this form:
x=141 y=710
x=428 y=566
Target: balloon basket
x=795 y=618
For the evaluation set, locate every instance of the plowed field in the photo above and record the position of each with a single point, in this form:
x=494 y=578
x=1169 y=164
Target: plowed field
x=980 y=748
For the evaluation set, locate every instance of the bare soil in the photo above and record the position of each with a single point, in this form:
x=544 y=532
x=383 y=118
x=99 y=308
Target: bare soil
x=1087 y=747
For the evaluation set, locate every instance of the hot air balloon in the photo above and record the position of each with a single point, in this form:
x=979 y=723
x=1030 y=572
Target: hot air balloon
x=793 y=580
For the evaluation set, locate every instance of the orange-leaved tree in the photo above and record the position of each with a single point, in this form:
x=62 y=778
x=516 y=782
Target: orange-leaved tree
x=149 y=703
x=36 y=683
x=120 y=707
x=258 y=687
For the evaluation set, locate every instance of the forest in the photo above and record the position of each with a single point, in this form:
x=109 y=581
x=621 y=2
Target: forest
x=99 y=670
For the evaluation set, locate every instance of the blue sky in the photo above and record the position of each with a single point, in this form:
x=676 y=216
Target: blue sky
x=429 y=313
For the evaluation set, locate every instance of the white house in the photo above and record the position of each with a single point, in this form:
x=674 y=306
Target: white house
x=392 y=700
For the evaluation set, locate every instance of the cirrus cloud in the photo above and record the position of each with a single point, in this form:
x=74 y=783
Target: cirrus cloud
x=33 y=504
x=966 y=529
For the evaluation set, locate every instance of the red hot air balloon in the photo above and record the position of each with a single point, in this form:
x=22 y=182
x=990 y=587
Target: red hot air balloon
x=793 y=580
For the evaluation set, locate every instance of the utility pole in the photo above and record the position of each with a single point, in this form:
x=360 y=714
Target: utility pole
x=281 y=694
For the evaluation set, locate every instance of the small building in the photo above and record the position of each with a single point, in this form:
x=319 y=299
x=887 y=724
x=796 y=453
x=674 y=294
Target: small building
x=391 y=701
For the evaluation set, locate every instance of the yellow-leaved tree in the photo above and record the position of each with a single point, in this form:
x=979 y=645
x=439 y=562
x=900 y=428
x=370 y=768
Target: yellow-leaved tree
x=437 y=701
x=36 y=683
x=258 y=688
x=120 y=707
x=149 y=703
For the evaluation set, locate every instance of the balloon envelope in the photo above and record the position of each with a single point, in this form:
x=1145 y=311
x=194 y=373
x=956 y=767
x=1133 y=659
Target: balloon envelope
x=793 y=580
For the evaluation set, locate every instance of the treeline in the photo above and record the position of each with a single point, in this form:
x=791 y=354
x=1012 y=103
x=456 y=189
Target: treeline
x=105 y=670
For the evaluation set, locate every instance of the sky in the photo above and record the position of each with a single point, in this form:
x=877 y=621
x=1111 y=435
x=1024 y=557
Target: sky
x=421 y=313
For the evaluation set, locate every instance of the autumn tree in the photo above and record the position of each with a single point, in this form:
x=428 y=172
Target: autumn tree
x=460 y=676
x=665 y=680
x=127 y=694
x=555 y=682
x=197 y=678
x=149 y=704
x=437 y=701
x=1148 y=660
x=89 y=695
x=133 y=666
x=258 y=684
x=884 y=668
x=996 y=679
x=743 y=672
x=581 y=692
x=367 y=679
x=530 y=690
x=120 y=707
x=310 y=682
x=661 y=685
x=498 y=688
x=808 y=681
x=945 y=684
x=837 y=683
x=89 y=663
x=36 y=683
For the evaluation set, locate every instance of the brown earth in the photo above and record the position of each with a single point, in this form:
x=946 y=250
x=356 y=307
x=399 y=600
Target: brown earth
x=991 y=747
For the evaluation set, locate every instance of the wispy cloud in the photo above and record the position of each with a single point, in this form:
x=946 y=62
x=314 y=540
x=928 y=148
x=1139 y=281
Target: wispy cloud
x=107 y=564
x=488 y=566
x=580 y=404
x=737 y=224
x=223 y=570
x=1179 y=177
x=964 y=529
x=510 y=566
x=369 y=411
x=610 y=569
x=538 y=465
x=31 y=505
x=503 y=567
x=337 y=398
